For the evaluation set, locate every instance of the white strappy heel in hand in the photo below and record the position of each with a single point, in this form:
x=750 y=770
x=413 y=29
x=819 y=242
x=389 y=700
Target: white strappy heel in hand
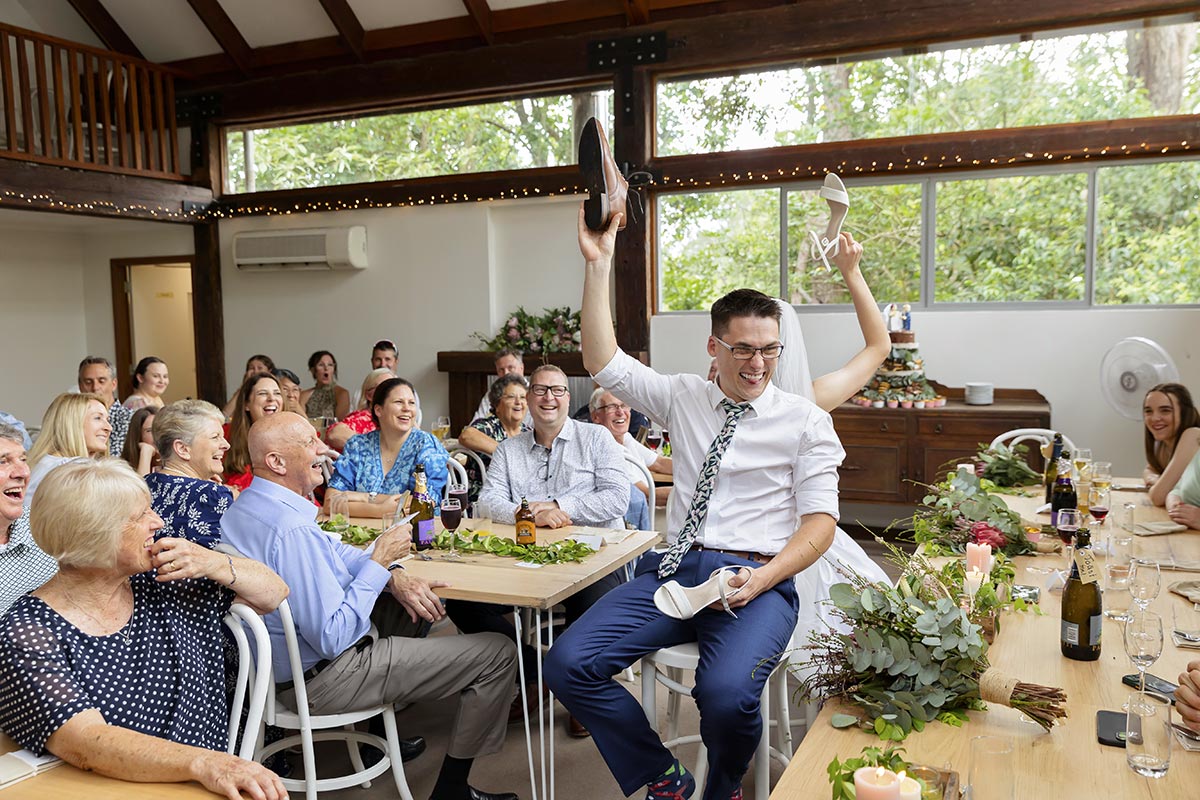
x=683 y=602
x=834 y=193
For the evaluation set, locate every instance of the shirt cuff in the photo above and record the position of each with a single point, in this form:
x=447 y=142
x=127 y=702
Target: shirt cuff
x=818 y=503
x=615 y=370
x=375 y=575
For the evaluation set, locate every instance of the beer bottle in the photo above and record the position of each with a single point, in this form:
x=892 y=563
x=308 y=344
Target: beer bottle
x=422 y=506
x=1064 y=495
x=526 y=530
x=1052 y=466
x=1079 y=635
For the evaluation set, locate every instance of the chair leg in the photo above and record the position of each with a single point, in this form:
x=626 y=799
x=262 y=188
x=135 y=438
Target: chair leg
x=310 y=763
x=675 y=674
x=649 y=694
x=783 y=717
x=393 y=747
x=356 y=757
x=762 y=753
x=701 y=771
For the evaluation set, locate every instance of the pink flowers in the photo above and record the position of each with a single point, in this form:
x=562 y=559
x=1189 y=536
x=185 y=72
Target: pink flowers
x=983 y=533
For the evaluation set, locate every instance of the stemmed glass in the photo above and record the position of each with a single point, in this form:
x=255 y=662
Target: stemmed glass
x=1144 y=641
x=1067 y=524
x=451 y=519
x=1143 y=582
x=1102 y=474
x=1098 y=507
x=654 y=436
x=441 y=428
x=1081 y=460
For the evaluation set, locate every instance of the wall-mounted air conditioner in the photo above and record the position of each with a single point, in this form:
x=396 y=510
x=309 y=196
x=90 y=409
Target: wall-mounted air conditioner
x=301 y=249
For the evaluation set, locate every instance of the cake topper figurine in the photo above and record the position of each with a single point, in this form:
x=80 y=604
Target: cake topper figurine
x=906 y=317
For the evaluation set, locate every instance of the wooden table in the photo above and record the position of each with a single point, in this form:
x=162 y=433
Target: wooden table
x=1066 y=763
x=66 y=782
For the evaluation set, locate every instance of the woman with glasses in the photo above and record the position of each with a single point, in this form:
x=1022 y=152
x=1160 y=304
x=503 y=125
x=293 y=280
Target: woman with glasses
x=376 y=468
x=507 y=399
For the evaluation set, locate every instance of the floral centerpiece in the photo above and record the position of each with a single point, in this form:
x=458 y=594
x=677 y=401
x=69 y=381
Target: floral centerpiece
x=962 y=509
x=913 y=656
x=557 y=330
x=1005 y=466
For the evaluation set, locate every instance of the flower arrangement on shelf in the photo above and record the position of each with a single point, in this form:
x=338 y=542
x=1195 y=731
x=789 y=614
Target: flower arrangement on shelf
x=961 y=510
x=914 y=656
x=557 y=330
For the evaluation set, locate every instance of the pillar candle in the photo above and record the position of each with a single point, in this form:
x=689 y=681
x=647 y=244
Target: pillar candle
x=876 y=783
x=909 y=788
x=978 y=556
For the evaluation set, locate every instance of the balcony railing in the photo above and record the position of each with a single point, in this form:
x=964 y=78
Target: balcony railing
x=76 y=106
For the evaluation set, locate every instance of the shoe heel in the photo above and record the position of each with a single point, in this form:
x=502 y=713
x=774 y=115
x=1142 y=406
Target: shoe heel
x=595 y=212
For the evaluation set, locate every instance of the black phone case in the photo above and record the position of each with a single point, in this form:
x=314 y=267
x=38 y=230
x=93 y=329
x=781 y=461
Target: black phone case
x=1153 y=684
x=1110 y=728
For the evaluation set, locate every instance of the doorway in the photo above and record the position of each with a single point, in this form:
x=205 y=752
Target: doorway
x=152 y=316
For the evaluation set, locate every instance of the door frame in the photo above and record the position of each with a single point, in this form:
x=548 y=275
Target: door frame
x=122 y=313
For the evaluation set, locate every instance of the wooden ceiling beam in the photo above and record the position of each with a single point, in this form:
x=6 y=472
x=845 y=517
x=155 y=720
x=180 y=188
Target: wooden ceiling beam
x=481 y=15
x=105 y=27
x=637 y=12
x=225 y=32
x=348 y=27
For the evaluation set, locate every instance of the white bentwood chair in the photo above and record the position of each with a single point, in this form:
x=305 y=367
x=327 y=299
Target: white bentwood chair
x=1043 y=436
x=240 y=619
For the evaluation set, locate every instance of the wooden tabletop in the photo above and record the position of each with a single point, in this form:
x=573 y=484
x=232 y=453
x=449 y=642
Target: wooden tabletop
x=66 y=782
x=1066 y=763
x=488 y=578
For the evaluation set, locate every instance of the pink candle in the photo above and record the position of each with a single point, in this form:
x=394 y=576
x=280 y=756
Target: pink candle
x=876 y=783
x=978 y=556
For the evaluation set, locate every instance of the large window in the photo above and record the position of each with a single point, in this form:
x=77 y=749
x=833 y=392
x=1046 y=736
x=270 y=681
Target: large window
x=513 y=134
x=1142 y=71
x=1086 y=235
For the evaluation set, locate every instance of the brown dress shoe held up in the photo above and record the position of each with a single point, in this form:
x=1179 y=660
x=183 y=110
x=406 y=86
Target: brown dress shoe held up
x=607 y=188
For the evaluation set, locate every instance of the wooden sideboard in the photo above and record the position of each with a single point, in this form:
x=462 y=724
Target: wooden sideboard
x=890 y=452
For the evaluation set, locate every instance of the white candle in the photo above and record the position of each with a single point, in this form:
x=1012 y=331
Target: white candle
x=876 y=783
x=909 y=788
x=978 y=556
x=972 y=581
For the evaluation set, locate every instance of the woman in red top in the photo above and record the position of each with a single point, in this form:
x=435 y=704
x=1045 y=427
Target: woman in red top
x=359 y=421
x=259 y=396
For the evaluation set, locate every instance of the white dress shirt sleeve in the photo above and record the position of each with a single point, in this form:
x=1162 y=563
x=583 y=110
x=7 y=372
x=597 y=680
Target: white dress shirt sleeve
x=815 y=472
x=638 y=385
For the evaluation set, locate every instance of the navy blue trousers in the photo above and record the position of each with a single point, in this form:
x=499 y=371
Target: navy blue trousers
x=736 y=658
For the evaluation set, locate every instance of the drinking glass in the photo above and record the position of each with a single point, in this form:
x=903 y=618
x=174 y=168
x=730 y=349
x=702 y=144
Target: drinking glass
x=441 y=428
x=1116 y=591
x=459 y=492
x=1082 y=460
x=990 y=775
x=1098 y=500
x=1067 y=524
x=1148 y=734
x=1143 y=582
x=1144 y=642
x=451 y=519
x=1102 y=474
x=653 y=436
x=1128 y=516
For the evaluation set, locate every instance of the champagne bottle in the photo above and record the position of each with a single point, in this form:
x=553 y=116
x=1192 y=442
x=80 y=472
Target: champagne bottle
x=526 y=529
x=422 y=506
x=1051 y=473
x=1063 y=495
x=1082 y=611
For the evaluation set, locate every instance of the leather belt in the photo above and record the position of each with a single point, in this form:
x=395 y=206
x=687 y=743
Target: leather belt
x=315 y=669
x=761 y=558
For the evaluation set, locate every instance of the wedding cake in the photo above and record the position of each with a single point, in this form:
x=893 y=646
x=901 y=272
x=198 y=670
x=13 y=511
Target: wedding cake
x=900 y=380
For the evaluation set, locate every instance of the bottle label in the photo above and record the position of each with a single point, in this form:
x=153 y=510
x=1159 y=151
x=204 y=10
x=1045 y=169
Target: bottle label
x=424 y=531
x=1086 y=563
x=1070 y=632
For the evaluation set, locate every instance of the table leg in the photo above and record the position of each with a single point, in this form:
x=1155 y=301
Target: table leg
x=525 y=702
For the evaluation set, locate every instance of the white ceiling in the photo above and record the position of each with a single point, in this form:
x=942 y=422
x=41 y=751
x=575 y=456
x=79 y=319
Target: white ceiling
x=168 y=30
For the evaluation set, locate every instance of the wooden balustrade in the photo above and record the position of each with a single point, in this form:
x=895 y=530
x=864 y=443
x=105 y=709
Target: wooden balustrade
x=72 y=105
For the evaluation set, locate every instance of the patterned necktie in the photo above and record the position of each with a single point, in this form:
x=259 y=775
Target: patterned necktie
x=698 y=510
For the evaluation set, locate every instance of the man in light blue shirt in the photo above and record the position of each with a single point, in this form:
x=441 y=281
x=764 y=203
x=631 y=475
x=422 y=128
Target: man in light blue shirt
x=349 y=663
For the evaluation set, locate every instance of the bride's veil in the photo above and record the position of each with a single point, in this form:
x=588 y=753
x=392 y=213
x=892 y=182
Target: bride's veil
x=792 y=373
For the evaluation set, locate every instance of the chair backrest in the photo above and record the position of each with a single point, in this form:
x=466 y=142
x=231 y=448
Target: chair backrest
x=471 y=454
x=1042 y=436
x=645 y=471
x=458 y=473
x=295 y=665
x=254 y=672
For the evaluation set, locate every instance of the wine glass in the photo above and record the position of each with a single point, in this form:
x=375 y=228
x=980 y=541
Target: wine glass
x=654 y=436
x=459 y=492
x=1081 y=460
x=441 y=428
x=1143 y=582
x=1144 y=641
x=1102 y=474
x=451 y=519
x=1067 y=523
x=1098 y=507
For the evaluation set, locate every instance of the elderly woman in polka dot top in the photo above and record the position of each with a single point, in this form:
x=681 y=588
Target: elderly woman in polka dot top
x=114 y=665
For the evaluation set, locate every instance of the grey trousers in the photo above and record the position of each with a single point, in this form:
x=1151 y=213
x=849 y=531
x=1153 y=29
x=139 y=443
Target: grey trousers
x=478 y=668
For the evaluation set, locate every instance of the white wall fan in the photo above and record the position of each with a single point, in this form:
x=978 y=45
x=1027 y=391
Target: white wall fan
x=1129 y=369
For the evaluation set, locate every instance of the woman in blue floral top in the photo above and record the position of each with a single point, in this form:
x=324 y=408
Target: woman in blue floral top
x=376 y=468
x=191 y=444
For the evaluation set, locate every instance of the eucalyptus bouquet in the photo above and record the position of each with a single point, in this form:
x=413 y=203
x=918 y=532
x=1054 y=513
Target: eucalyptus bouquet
x=961 y=509
x=913 y=656
x=556 y=330
x=1006 y=466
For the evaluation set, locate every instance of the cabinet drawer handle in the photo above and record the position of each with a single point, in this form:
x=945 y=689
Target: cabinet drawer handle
x=937 y=428
x=851 y=468
x=883 y=427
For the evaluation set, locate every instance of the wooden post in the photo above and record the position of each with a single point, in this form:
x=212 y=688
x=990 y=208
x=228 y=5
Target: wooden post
x=633 y=144
x=208 y=315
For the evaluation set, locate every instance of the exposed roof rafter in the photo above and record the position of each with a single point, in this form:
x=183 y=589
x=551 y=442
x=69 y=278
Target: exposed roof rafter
x=348 y=27
x=105 y=27
x=481 y=14
x=637 y=11
x=225 y=32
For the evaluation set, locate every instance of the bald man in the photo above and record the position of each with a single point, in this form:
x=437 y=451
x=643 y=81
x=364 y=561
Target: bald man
x=349 y=664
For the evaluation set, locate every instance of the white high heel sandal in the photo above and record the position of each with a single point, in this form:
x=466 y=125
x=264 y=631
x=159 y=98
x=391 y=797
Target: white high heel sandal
x=834 y=193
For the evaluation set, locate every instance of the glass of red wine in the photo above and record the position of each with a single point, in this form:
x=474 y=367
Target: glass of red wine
x=459 y=492
x=654 y=436
x=1069 y=520
x=451 y=518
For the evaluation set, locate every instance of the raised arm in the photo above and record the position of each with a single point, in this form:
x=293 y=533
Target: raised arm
x=90 y=743
x=837 y=387
x=599 y=339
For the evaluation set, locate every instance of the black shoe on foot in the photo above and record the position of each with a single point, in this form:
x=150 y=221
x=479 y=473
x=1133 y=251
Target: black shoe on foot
x=476 y=794
x=409 y=749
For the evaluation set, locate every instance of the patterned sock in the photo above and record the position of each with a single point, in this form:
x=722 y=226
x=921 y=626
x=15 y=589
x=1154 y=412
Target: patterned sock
x=737 y=794
x=674 y=784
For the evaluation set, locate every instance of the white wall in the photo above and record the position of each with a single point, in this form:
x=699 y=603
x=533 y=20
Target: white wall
x=436 y=275
x=1012 y=349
